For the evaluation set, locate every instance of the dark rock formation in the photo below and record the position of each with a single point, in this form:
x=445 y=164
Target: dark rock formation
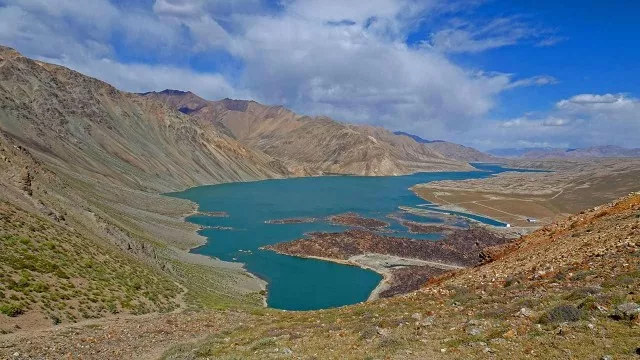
x=353 y=219
x=462 y=247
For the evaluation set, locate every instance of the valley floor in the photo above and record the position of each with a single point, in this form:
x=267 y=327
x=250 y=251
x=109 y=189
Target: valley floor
x=517 y=198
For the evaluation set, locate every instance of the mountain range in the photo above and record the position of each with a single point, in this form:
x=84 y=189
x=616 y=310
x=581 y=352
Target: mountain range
x=90 y=127
x=549 y=152
x=452 y=150
x=311 y=145
x=86 y=234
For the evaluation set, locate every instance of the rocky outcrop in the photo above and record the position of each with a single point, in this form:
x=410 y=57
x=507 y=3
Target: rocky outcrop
x=407 y=264
x=353 y=219
x=411 y=278
x=25 y=180
x=460 y=248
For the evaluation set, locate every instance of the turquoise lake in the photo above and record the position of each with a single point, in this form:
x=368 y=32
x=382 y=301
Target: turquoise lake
x=306 y=284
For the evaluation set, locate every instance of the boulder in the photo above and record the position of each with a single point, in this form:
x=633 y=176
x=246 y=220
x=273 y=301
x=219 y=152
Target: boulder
x=627 y=311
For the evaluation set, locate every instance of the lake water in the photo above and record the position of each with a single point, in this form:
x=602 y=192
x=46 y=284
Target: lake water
x=305 y=284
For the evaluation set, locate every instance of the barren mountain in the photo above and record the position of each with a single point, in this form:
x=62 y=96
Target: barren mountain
x=460 y=152
x=552 y=153
x=89 y=126
x=81 y=167
x=313 y=145
x=452 y=150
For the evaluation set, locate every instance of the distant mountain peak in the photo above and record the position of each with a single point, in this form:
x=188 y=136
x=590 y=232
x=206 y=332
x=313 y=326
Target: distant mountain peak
x=169 y=92
x=597 y=151
x=235 y=105
x=417 y=138
x=451 y=150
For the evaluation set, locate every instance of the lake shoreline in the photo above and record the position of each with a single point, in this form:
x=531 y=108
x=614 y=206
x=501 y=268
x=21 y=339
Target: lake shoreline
x=360 y=202
x=261 y=284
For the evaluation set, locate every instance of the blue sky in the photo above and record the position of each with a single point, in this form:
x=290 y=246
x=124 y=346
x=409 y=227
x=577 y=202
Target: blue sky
x=486 y=73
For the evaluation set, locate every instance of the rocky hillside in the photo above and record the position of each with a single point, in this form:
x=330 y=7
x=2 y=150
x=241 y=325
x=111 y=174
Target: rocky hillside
x=566 y=291
x=81 y=167
x=90 y=127
x=460 y=152
x=313 y=145
x=451 y=150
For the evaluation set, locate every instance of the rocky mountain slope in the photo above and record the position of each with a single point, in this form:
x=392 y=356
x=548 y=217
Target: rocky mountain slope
x=460 y=152
x=568 y=290
x=313 y=145
x=88 y=161
x=452 y=150
x=77 y=121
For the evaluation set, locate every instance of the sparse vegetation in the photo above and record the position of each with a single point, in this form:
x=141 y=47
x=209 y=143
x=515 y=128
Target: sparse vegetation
x=561 y=314
x=11 y=309
x=47 y=267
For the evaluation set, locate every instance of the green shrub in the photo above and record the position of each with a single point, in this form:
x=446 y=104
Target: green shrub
x=61 y=274
x=11 y=310
x=582 y=293
x=560 y=314
x=263 y=343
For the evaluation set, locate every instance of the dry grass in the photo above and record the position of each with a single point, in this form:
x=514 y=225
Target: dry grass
x=568 y=295
x=48 y=269
x=573 y=186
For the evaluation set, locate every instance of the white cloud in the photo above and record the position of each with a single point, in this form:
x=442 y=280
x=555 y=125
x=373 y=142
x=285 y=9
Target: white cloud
x=541 y=80
x=550 y=41
x=347 y=71
x=592 y=99
x=363 y=72
x=143 y=78
x=178 y=8
x=465 y=36
x=579 y=121
x=606 y=107
x=554 y=121
x=346 y=59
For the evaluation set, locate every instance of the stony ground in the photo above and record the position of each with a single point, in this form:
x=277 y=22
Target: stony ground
x=47 y=271
x=567 y=291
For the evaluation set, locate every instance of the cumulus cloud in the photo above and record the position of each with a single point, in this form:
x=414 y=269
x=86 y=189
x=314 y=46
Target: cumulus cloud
x=344 y=59
x=579 y=121
x=355 y=75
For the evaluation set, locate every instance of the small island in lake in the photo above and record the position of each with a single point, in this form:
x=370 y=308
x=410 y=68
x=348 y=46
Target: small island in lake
x=353 y=219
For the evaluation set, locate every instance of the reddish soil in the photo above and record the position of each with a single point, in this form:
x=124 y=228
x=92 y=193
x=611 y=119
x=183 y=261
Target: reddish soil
x=419 y=228
x=408 y=279
x=353 y=219
x=461 y=247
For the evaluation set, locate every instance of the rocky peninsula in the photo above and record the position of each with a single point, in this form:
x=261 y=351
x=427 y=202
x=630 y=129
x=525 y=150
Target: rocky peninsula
x=405 y=263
